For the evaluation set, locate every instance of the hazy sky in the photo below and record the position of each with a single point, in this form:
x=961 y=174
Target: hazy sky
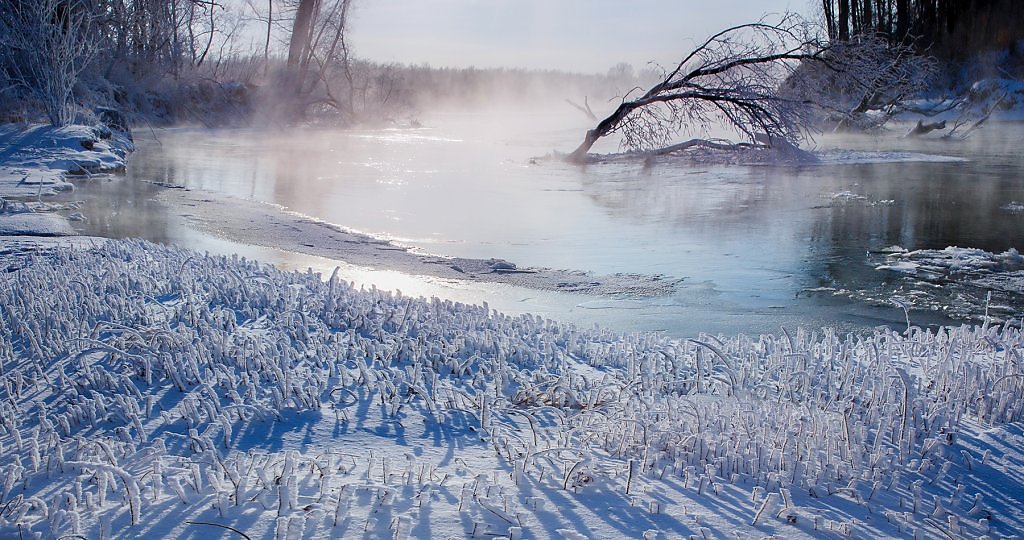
x=575 y=35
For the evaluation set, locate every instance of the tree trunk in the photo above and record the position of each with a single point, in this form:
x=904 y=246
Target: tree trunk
x=299 y=45
x=926 y=22
x=923 y=129
x=266 y=43
x=902 y=20
x=830 y=18
x=301 y=31
x=868 y=18
x=603 y=128
x=844 y=20
x=855 y=17
x=884 y=10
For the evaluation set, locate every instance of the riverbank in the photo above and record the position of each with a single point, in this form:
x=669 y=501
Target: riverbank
x=37 y=160
x=259 y=224
x=155 y=391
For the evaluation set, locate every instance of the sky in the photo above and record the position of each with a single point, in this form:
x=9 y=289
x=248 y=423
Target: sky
x=572 y=35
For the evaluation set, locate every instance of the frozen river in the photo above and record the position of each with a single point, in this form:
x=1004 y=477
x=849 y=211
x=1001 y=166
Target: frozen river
x=758 y=247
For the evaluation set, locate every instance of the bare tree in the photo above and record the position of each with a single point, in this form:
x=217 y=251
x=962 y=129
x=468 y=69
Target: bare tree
x=861 y=83
x=158 y=37
x=300 y=43
x=319 y=57
x=329 y=51
x=732 y=78
x=268 y=19
x=46 y=45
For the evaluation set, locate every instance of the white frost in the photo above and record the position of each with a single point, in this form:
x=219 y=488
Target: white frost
x=280 y=403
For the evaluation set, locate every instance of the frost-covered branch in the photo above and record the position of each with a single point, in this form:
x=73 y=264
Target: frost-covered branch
x=45 y=46
x=863 y=82
x=732 y=79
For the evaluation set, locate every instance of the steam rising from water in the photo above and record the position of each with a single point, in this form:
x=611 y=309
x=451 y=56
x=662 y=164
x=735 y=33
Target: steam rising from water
x=750 y=243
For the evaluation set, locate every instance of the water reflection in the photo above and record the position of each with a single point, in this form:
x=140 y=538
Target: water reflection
x=751 y=240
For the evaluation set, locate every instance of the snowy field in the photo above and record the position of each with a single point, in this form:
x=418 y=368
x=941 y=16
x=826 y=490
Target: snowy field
x=152 y=391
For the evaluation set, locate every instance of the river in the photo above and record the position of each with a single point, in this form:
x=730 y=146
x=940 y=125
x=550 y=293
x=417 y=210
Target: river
x=757 y=247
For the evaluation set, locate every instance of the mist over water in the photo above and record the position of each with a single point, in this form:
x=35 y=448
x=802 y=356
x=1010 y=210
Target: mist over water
x=758 y=246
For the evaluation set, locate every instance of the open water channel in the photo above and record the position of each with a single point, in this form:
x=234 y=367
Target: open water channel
x=757 y=246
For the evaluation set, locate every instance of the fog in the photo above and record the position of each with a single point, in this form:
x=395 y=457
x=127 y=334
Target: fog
x=576 y=35
x=753 y=244
x=454 y=161
x=449 y=269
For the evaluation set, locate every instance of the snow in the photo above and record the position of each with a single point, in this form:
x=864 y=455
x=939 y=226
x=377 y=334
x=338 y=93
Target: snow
x=905 y=267
x=786 y=157
x=962 y=282
x=268 y=225
x=998 y=99
x=35 y=160
x=1004 y=96
x=862 y=157
x=1014 y=207
x=953 y=262
x=155 y=391
x=35 y=157
x=41 y=224
x=32 y=218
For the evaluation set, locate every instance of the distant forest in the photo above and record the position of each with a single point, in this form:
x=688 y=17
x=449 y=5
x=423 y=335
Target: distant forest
x=952 y=29
x=223 y=62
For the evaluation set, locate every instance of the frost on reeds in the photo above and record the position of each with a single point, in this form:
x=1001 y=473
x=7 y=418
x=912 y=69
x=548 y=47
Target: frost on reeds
x=128 y=373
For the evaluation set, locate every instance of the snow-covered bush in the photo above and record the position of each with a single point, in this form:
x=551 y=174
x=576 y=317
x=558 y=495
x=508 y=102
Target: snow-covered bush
x=44 y=46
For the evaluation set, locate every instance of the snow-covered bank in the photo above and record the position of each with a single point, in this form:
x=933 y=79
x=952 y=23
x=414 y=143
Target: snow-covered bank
x=22 y=220
x=36 y=159
x=267 y=225
x=958 y=117
x=154 y=391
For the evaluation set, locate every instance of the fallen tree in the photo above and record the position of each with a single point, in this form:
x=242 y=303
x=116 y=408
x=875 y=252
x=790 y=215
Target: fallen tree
x=923 y=128
x=731 y=79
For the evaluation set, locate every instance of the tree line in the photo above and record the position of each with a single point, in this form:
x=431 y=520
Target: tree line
x=221 y=62
x=291 y=59
x=135 y=54
x=952 y=29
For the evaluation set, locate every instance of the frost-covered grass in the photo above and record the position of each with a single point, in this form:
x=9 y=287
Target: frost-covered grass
x=150 y=390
